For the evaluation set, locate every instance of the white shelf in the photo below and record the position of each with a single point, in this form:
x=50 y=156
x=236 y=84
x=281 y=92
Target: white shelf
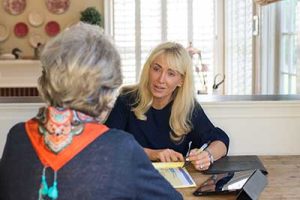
x=19 y=73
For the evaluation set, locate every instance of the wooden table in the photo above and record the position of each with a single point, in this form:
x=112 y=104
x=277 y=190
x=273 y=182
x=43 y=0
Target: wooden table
x=283 y=180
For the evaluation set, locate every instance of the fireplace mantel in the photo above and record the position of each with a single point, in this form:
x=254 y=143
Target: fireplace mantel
x=19 y=73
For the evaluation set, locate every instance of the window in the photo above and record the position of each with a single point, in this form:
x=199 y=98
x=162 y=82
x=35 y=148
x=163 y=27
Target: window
x=280 y=55
x=238 y=45
x=223 y=32
x=140 y=25
x=124 y=34
x=288 y=42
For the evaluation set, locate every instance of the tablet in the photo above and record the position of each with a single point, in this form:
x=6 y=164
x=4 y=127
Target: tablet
x=231 y=182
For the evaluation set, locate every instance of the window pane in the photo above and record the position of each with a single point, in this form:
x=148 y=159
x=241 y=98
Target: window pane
x=140 y=25
x=293 y=85
x=124 y=36
x=150 y=26
x=204 y=36
x=285 y=84
x=289 y=46
x=177 y=21
x=239 y=46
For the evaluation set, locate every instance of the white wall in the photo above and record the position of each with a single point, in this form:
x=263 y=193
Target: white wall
x=254 y=127
x=258 y=127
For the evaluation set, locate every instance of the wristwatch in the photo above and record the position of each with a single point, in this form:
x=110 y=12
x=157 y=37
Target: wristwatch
x=211 y=157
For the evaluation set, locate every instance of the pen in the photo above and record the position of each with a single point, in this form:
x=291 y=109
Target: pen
x=186 y=162
x=202 y=148
x=189 y=149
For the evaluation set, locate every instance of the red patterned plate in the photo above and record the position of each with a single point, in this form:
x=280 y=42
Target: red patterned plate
x=14 y=7
x=57 y=6
x=52 y=28
x=21 y=29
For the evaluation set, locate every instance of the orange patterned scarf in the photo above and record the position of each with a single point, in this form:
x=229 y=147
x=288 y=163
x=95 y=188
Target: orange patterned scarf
x=72 y=129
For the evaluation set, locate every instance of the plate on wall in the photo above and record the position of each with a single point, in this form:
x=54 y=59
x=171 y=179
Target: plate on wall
x=52 y=28
x=4 y=32
x=14 y=7
x=36 y=38
x=35 y=18
x=21 y=29
x=57 y=6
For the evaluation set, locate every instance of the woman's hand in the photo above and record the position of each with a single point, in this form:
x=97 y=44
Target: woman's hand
x=163 y=155
x=203 y=159
x=200 y=159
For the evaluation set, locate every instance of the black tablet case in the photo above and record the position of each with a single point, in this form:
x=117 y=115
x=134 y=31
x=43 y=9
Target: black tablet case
x=236 y=163
x=253 y=187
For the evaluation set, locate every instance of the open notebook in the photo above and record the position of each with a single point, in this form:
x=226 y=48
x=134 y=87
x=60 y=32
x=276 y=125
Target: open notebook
x=177 y=175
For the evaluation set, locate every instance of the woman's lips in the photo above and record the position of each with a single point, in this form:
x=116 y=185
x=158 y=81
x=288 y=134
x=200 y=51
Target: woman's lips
x=159 y=88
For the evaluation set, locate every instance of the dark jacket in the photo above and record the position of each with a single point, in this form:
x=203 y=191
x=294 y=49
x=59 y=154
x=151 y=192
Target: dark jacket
x=114 y=166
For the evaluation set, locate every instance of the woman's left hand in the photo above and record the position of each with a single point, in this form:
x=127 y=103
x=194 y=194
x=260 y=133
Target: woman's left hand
x=200 y=160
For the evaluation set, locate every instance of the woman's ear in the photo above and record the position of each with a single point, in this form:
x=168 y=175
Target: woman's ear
x=181 y=82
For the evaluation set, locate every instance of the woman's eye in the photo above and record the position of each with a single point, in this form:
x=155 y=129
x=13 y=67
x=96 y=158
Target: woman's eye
x=171 y=73
x=156 y=68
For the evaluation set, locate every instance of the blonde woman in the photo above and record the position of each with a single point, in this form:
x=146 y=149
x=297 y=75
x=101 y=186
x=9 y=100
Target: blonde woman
x=162 y=114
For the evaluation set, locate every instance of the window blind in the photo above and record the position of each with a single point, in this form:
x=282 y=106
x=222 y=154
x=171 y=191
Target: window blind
x=124 y=35
x=204 y=37
x=140 y=25
x=238 y=46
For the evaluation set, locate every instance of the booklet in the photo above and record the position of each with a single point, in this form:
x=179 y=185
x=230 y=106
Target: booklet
x=177 y=175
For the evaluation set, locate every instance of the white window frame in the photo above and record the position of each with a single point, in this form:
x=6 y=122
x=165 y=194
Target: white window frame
x=265 y=80
x=218 y=65
x=272 y=55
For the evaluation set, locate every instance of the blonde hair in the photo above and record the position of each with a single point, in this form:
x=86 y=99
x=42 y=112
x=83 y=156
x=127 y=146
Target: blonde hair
x=184 y=97
x=81 y=70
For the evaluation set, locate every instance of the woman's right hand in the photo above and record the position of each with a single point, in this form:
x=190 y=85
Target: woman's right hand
x=163 y=155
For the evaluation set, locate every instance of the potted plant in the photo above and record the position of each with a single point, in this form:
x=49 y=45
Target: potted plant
x=92 y=16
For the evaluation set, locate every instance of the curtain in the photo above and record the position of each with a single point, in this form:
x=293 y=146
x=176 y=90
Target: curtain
x=264 y=2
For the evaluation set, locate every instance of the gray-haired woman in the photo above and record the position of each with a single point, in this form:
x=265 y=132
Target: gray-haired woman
x=65 y=152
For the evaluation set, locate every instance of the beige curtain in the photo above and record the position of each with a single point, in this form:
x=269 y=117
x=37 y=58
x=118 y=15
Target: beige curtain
x=264 y=2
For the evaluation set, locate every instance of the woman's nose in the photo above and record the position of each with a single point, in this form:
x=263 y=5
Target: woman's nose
x=162 y=77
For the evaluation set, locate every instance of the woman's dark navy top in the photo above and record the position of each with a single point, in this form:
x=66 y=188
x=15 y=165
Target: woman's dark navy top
x=155 y=132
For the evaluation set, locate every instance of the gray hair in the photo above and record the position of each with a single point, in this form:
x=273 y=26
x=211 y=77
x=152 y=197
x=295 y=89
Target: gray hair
x=81 y=70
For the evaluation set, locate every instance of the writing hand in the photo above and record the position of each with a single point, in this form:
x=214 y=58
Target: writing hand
x=199 y=159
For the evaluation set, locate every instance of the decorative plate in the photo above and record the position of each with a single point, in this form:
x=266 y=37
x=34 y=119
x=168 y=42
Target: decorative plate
x=4 y=32
x=52 y=28
x=21 y=29
x=57 y=6
x=36 y=38
x=14 y=7
x=35 y=18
